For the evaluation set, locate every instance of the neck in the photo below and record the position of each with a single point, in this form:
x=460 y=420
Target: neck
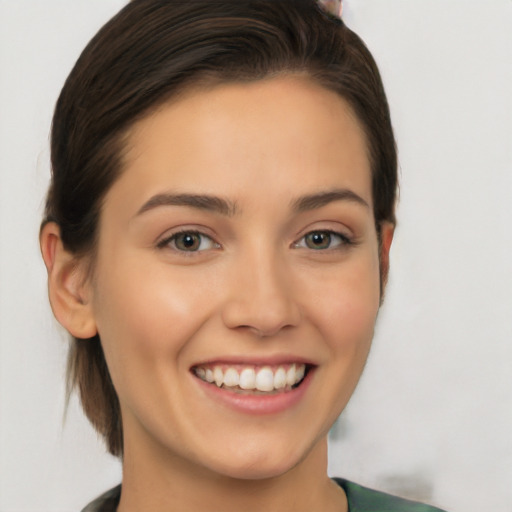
x=160 y=482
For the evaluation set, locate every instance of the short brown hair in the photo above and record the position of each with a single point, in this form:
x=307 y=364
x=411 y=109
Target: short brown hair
x=148 y=53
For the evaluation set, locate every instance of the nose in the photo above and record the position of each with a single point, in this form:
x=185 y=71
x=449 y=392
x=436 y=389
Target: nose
x=261 y=297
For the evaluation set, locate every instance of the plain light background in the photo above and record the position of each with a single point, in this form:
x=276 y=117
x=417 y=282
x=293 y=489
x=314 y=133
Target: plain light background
x=432 y=416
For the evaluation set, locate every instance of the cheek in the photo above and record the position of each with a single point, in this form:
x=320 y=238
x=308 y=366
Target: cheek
x=346 y=309
x=145 y=320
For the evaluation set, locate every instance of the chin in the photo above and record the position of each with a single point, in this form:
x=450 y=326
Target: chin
x=256 y=471
x=257 y=464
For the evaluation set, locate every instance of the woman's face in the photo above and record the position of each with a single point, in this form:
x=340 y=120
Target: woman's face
x=238 y=245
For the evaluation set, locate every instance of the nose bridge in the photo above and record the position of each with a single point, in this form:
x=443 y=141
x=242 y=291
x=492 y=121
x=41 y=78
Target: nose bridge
x=261 y=297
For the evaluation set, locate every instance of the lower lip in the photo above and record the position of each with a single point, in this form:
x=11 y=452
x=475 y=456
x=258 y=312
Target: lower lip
x=257 y=404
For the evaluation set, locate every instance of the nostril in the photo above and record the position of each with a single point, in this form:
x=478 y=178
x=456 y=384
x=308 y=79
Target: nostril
x=264 y=333
x=258 y=332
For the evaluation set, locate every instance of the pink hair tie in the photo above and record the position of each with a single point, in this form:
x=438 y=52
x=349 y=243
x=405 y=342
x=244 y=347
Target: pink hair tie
x=333 y=7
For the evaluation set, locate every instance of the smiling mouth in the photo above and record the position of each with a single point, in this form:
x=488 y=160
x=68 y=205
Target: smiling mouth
x=252 y=379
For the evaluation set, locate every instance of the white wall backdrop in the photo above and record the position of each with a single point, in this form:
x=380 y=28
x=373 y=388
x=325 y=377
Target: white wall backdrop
x=432 y=417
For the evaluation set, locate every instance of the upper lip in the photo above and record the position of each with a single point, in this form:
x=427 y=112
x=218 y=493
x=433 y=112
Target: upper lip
x=256 y=361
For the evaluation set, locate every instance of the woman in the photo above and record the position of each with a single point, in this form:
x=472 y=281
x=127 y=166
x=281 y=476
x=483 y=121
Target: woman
x=217 y=240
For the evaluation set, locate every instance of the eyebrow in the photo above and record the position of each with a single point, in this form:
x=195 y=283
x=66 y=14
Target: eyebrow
x=199 y=201
x=229 y=208
x=314 y=201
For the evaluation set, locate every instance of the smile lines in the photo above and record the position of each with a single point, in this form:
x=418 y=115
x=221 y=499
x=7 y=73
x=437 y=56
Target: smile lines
x=252 y=378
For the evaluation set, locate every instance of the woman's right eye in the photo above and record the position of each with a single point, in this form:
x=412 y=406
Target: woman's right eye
x=188 y=241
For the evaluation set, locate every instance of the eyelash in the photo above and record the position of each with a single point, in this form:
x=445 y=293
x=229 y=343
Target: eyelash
x=343 y=241
x=171 y=241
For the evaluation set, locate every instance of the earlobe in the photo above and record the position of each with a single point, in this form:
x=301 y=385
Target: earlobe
x=68 y=285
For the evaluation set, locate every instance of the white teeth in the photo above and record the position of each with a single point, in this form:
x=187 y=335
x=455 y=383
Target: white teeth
x=290 y=375
x=263 y=379
x=231 y=378
x=247 y=379
x=218 y=376
x=280 y=379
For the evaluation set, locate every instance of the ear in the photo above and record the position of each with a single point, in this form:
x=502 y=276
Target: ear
x=68 y=284
x=387 y=230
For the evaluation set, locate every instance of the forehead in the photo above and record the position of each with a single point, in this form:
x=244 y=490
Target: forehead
x=278 y=135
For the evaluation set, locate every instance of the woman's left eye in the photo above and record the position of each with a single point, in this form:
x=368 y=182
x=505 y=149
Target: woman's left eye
x=322 y=240
x=189 y=241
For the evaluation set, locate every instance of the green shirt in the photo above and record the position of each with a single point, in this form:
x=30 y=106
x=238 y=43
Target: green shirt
x=360 y=499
